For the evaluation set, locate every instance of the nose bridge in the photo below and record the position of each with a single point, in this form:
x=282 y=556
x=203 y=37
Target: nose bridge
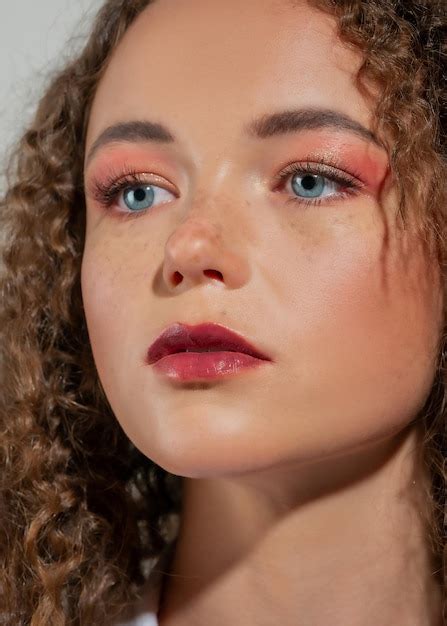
x=215 y=191
x=206 y=242
x=214 y=168
x=202 y=230
x=215 y=205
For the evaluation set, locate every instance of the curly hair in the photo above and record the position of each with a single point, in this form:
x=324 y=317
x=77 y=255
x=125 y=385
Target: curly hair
x=83 y=513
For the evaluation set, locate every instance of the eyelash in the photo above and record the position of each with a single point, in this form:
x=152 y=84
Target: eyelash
x=329 y=170
x=106 y=193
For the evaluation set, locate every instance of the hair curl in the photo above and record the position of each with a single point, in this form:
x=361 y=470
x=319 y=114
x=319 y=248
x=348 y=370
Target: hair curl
x=82 y=511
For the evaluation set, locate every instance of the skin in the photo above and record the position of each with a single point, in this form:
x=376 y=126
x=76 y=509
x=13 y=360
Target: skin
x=303 y=483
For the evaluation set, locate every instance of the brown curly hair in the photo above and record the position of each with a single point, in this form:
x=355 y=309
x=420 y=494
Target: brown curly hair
x=82 y=512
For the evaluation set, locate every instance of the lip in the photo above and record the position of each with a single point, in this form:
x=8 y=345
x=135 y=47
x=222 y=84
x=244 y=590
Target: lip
x=184 y=337
x=205 y=351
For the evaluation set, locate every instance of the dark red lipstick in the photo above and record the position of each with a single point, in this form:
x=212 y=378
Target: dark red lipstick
x=183 y=352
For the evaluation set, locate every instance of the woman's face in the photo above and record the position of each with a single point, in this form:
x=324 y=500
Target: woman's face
x=313 y=269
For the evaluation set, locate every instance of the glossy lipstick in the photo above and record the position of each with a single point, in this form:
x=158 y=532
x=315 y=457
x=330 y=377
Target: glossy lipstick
x=207 y=351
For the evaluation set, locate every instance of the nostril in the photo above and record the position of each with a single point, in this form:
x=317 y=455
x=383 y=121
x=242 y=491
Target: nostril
x=177 y=278
x=213 y=274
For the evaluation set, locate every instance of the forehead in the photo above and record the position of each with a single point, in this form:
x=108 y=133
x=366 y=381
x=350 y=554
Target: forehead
x=206 y=66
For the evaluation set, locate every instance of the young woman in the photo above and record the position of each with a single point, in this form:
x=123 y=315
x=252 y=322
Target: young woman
x=223 y=321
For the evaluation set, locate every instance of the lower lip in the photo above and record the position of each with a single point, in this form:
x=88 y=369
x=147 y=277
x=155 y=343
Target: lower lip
x=185 y=366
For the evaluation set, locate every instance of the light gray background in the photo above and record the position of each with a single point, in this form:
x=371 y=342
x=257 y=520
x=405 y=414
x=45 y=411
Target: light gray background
x=35 y=37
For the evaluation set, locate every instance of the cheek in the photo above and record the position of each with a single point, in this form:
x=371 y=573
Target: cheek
x=370 y=322
x=106 y=296
x=388 y=292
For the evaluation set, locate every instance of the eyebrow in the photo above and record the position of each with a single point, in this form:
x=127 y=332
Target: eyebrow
x=263 y=127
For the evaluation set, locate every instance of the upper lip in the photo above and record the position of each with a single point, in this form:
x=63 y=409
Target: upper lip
x=181 y=337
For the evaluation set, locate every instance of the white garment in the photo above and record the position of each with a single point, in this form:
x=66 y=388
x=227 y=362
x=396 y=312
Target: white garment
x=144 y=619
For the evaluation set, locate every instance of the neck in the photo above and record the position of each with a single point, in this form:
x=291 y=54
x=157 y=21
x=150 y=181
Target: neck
x=338 y=542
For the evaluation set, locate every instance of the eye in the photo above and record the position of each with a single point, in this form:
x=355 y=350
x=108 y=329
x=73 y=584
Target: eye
x=313 y=186
x=131 y=193
x=311 y=183
x=141 y=197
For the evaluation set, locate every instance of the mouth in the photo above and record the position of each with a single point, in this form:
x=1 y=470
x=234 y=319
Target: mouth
x=208 y=337
x=221 y=350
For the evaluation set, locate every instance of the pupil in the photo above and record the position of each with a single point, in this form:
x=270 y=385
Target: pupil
x=308 y=182
x=139 y=194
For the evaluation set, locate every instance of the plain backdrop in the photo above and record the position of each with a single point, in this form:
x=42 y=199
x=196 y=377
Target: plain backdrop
x=35 y=38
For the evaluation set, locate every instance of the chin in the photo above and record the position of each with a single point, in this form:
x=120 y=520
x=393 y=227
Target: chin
x=207 y=460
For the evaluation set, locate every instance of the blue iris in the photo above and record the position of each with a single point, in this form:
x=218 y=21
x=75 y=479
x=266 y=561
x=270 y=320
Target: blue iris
x=139 y=198
x=309 y=186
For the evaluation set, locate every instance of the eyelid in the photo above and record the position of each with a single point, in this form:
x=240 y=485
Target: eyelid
x=350 y=185
x=106 y=192
x=326 y=166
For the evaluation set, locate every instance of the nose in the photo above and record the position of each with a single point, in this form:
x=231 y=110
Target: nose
x=197 y=252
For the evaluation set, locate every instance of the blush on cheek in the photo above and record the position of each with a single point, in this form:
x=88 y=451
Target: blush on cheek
x=372 y=293
x=98 y=293
x=352 y=276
